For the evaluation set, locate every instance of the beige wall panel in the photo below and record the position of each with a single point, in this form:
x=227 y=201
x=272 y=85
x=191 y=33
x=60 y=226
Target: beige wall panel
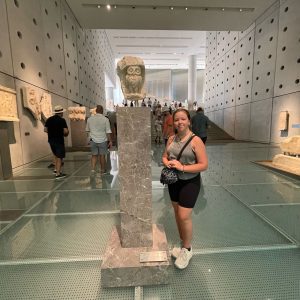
x=261 y=121
x=287 y=77
x=219 y=117
x=211 y=52
x=55 y=61
x=242 y=122
x=5 y=50
x=219 y=84
x=230 y=77
x=229 y=120
x=245 y=50
x=27 y=41
x=266 y=34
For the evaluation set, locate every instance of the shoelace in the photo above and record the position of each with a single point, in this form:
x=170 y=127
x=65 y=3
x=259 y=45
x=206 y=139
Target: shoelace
x=183 y=254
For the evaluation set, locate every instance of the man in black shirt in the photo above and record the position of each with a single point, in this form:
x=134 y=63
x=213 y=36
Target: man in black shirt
x=57 y=129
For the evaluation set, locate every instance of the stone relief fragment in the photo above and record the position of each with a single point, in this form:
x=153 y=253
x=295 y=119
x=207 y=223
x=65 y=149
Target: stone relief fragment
x=291 y=145
x=290 y=159
x=131 y=71
x=93 y=111
x=46 y=106
x=8 y=104
x=76 y=113
x=31 y=101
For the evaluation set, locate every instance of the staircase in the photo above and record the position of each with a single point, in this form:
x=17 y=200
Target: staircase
x=215 y=133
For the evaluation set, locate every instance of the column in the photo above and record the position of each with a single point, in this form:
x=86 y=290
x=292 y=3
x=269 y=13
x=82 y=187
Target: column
x=192 y=81
x=137 y=251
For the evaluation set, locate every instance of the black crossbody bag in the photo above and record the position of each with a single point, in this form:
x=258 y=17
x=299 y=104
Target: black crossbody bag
x=170 y=175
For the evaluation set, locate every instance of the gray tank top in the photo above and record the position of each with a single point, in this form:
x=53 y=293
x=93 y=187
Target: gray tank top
x=188 y=156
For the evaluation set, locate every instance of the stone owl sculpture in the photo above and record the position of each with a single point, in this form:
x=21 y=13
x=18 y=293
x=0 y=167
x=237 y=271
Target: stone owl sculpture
x=131 y=71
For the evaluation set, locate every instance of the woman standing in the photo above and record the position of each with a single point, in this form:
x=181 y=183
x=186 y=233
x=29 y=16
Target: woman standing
x=184 y=192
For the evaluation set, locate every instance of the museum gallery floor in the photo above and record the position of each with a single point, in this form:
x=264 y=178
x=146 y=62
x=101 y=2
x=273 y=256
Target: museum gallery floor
x=246 y=231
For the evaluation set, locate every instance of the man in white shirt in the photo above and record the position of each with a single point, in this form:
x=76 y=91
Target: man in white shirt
x=99 y=128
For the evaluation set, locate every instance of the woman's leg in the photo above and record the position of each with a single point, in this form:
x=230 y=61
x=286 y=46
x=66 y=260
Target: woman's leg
x=175 y=207
x=184 y=217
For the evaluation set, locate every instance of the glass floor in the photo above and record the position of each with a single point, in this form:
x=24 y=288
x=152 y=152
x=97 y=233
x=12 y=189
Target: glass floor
x=246 y=230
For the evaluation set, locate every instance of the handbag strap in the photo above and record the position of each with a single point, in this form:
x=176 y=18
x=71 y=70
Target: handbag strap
x=187 y=142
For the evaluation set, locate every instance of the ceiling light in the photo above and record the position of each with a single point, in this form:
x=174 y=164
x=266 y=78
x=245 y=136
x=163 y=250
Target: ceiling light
x=175 y=53
x=241 y=9
x=115 y=6
x=186 y=8
x=171 y=7
x=108 y=7
x=99 y=6
x=223 y=9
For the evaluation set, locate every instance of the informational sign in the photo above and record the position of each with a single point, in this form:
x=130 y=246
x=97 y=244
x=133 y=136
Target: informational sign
x=153 y=256
x=295 y=125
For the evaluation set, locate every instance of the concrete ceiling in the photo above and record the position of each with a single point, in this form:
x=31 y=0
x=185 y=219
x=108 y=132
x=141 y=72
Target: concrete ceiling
x=164 y=33
x=160 y=49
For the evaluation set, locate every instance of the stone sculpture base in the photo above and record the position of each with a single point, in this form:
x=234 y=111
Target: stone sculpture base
x=289 y=163
x=78 y=133
x=121 y=266
x=5 y=160
x=271 y=165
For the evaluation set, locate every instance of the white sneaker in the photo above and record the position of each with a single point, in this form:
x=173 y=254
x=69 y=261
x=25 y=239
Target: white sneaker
x=175 y=252
x=183 y=258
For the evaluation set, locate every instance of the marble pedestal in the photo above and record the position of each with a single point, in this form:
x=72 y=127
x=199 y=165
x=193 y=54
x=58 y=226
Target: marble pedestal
x=78 y=133
x=122 y=267
x=287 y=163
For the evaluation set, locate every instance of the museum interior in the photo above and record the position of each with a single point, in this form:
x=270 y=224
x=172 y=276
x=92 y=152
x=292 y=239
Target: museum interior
x=239 y=60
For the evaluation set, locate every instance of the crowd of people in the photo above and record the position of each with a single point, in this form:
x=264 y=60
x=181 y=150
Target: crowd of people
x=153 y=104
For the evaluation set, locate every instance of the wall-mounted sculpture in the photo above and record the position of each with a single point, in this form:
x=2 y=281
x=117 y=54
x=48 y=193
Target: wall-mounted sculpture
x=283 y=121
x=8 y=104
x=131 y=71
x=46 y=106
x=76 y=113
x=31 y=101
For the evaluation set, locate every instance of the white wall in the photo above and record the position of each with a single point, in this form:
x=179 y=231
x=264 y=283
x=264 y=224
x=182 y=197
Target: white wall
x=253 y=75
x=172 y=84
x=43 y=46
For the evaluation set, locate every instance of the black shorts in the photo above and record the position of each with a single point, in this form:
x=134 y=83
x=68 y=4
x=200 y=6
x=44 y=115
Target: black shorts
x=58 y=150
x=185 y=192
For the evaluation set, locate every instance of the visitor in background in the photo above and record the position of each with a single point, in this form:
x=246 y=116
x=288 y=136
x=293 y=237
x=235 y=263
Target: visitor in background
x=200 y=124
x=100 y=138
x=158 y=130
x=154 y=106
x=57 y=128
x=168 y=129
x=158 y=110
